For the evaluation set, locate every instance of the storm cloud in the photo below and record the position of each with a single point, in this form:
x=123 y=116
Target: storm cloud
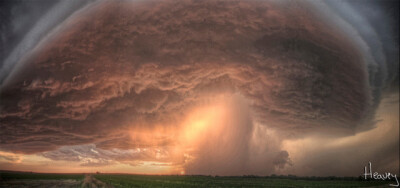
x=225 y=82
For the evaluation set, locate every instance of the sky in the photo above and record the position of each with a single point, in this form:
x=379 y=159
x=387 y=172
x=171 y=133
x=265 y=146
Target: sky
x=309 y=88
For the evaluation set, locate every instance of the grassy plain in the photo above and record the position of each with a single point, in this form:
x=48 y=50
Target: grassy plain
x=122 y=180
x=21 y=179
x=8 y=175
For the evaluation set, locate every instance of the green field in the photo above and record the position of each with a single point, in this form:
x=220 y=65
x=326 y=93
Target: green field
x=5 y=176
x=242 y=181
x=9 y=179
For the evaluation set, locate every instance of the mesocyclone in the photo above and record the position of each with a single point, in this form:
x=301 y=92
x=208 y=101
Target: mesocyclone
x=147 y=66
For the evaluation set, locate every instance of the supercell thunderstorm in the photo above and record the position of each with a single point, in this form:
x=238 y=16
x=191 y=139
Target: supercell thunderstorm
x=212 y=87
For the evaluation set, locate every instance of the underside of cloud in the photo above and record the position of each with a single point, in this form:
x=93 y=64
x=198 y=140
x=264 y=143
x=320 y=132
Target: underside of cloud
x=125 y=76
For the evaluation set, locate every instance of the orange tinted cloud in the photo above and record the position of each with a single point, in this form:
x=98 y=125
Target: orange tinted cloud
x=201 y=87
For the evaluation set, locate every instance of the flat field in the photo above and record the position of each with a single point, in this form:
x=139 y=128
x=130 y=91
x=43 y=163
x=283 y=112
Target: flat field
x=4 y=176
x=28 y=179
x=223 y=181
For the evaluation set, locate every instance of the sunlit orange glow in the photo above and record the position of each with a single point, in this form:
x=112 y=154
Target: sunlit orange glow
x=179 y=142
x=10 y=157
x=202 y=122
